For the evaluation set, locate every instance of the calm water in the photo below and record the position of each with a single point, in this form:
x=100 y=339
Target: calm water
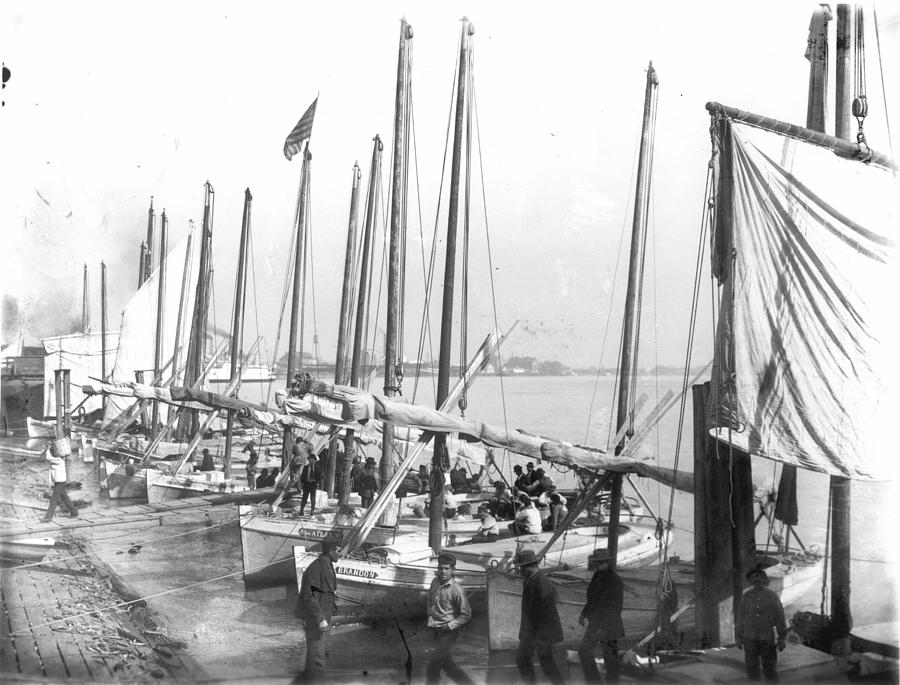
x=241 y=634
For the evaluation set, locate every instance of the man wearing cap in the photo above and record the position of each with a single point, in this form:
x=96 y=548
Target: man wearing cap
x=603 y=615
x=759 y=613
x=309 y=483
x=315 y=605
x=59 y=477
x=501 y=503
x=448 y=611
x=521 y=481
x=207 y=463
x=540 y=627
x=368 y=483
x=251 y=463
x=528 y=518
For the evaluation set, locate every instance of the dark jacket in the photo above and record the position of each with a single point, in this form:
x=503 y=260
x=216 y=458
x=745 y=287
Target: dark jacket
x=316 y=599
x=758 y=613
x=540 y=619
x=310 y=474
x=604 y=603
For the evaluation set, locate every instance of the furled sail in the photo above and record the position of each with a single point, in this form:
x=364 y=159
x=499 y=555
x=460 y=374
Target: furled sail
x=138 y=329
x=805 y=349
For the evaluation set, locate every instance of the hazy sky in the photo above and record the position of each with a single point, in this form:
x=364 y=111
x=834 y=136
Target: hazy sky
x=109 y=103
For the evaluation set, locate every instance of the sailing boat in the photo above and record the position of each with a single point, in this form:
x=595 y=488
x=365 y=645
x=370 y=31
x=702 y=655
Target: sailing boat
x=394 y=579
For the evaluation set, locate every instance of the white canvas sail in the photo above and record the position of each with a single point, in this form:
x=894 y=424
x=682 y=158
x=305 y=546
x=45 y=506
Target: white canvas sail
x=806 y=344
x=82 y=354
x=138 y=330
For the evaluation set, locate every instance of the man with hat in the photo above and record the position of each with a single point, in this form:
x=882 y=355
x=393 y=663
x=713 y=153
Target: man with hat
x=368 y=483
x=59 y=478
x=315 y=605
x=448 y=611
x=540 y=627
x=603 y=615
x=251 y=463
x=309 y=483
x=759 y=613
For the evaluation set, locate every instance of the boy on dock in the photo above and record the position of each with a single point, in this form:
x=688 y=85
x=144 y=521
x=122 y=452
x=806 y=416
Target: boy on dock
x=59 y=478
x=315 y=605
x=448 y=611
x=759 y=614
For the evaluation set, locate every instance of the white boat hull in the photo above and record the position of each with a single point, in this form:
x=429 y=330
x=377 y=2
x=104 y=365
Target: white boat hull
x=162 y=487
x=787 y=577
x=267 y=542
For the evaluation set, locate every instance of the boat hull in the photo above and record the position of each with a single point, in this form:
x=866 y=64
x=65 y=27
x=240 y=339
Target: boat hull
x=162 y=487
x=372 y=591
x=267 y=542
x=118 y=483
x=787 y=577
x=24 y=550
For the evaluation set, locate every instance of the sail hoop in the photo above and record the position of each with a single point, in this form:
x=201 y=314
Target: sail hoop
x=842 y=148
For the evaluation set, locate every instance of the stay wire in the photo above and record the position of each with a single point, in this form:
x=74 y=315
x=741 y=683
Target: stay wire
x=887 y=117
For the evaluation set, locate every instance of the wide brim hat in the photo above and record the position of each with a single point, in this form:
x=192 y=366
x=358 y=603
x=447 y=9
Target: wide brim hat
x=526 y=557
x=370 y=460
x=313 y=456
x=757 y=570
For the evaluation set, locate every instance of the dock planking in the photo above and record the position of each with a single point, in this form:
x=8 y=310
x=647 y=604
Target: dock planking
x=28 y=657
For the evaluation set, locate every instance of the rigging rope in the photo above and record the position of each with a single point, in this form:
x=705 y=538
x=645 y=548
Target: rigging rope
x=860 y=104
x=887 y=116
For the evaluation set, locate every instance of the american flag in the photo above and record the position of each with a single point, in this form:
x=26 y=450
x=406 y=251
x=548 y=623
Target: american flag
x=302 y=131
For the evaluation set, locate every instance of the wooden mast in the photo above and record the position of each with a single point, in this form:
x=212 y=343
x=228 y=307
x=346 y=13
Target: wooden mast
x=631 y=323
x=160 y=316
x=292 y=361
x=103 y=372
x=341 y=367
x=148 y=255
x=817 y=54
x=85 y=304
x=237 y=327
x=392 y=355
x=436 y=512
x=358 y=360
x=839 y=487
x=190 y=423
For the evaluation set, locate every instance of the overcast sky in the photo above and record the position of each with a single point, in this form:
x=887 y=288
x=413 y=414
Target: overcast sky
x=109 y=103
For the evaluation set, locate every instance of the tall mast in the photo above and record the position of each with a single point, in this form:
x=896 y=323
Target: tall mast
x=341 y=368
x=631 y=324
x=85 y=304
x=160 y=316
x=237 y=327
x=839 y=488
x=103 y=328
x=141 y=262
x=185 y=280
x=293 y=364
x=148 y=257
x=194 y=364
x=817 y=54
x=357 y=360
x=398 y=205
x=443 y=386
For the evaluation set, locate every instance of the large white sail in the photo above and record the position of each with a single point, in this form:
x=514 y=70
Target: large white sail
x=82 y=354
x=138 y=330
x=806 y=372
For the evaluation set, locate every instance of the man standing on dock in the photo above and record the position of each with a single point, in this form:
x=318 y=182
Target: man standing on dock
x=315 y=606
x=252 y=460
x=603 y=615
x=760 y=612
x=309 y=483
x=59 y=477
x=540 y=627
x=448 y=611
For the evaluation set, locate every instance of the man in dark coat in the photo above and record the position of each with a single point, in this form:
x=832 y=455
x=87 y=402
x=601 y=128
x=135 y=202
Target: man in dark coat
x=540 y=627
x=759 y=614
x=252 y=461
x=315 y=605
x=603 y=615
x=522 y=480
x=309 y=483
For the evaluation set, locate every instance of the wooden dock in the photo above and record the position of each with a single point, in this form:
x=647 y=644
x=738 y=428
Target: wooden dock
x=213 y=507
x=112 y=644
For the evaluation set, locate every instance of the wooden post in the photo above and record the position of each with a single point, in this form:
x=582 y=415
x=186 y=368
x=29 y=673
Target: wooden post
x=394 y=306
x=160 y=316
x=839 y=488
x=103 y=328
x=341 y=367
x=436 y=512
x=817 y=54
x=632 y=322
x=358 y=360
x=237 y=327
x=292 y=362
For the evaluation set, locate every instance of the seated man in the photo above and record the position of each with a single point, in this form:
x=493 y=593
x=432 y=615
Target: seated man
x=490 y=529
x=540 y=485
x=558 y=511
x=502 y=506
x=458 y=480
x=451 y=503
x=528 y=520
x=262 y=478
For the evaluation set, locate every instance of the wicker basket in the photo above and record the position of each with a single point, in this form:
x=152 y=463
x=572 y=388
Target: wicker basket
x=61 y=447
